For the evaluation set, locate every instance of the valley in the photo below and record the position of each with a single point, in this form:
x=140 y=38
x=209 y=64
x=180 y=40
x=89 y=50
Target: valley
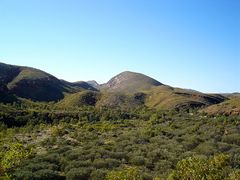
x=132 y=127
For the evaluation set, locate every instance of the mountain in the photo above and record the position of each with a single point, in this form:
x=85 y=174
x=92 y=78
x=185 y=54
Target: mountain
x=79 y=85
x=130 y=82
x=126 y=90
x=94 y=84
x=229 y=95
x=34 y=84
x=158 y=95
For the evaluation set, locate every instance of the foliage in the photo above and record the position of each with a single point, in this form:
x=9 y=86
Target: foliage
x=128 y=173
x=13 y=155
x=94 y=143
x=199 y=168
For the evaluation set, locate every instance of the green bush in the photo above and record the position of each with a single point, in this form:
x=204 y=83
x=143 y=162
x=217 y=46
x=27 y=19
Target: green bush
x=199 y=167
x=128 y=173
x=13 y=155
x=79 y=173
x=98 y=174
x=232 y=139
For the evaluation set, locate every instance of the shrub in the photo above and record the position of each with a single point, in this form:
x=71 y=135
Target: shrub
x=199 y=167
x=47 y=174
x=128 y=173
x=13 y=156
x=98 y=174
x=77 y=164
x=232 y=139
x=40 y=175
x=78 y=173
x=138 y=160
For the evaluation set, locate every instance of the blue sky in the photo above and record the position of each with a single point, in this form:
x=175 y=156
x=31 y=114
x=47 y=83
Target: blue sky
x=189 y=43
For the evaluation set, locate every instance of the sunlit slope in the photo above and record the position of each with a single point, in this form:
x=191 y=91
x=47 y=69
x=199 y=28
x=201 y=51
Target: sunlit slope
x=166 y=97
x=229 y=107
x=130 y=82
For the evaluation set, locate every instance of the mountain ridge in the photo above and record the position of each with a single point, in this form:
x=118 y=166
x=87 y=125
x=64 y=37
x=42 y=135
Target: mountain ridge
x=123 y=90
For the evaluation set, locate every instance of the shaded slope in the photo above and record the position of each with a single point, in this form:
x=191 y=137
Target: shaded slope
x=8 y=73
x=130 y=82
x=5 y=95
x=34 y=84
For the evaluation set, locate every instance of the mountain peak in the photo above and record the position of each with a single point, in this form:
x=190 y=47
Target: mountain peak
x=130 y=82
x=94 y=84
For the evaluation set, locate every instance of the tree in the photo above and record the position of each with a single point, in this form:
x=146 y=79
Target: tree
x=201 y=168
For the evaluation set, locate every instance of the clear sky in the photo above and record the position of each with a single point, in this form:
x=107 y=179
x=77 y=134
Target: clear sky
x=183 y=43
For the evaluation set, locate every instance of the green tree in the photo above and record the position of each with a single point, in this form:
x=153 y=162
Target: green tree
x=201 y=168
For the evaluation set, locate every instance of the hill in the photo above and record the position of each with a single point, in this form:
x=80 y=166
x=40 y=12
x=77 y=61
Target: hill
x=104 y=99
x=130 y=82
x=229 y=107
x=85 y=98
x=125 y=90
x=166 y=97
x=34 y=84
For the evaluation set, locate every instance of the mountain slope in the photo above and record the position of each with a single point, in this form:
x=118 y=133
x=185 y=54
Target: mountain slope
x=130 y=82
x=166 y=97
x=85 y=98
x=229 y=107
x=126 y=90
x=94 y=84
x=35 y=84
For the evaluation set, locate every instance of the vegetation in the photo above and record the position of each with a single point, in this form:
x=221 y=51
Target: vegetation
x=45 y=141
x=230 y=107
x=166 y=97
x=34 y=84
x=135 y=128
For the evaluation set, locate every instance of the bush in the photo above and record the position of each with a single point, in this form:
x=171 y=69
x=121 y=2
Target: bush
x=199 y=167
x=40 y=175
x=47 y=174
x=128 y=173
x=13 y=156
x=138 y=160
x=77 y=164
x=98 y=174
x=78 y=173
x=232 y=139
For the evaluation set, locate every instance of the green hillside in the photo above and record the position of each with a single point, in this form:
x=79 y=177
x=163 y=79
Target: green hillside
x=85 y=98
x=166 y=97
x=119 y=100
x=127 y=90
x=98 y=100
x=37 y=85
